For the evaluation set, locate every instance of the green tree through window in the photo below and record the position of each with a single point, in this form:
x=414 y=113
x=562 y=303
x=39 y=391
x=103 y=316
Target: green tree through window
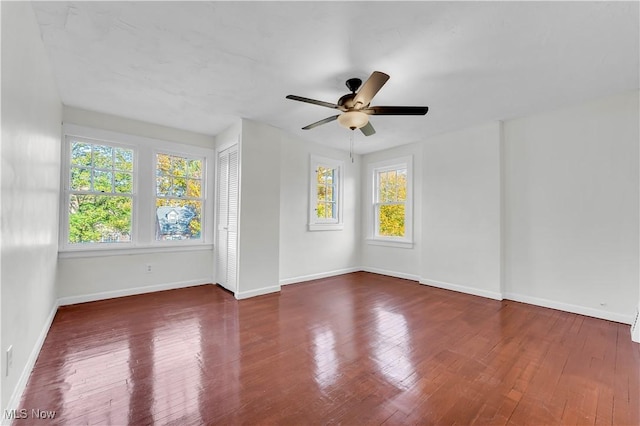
x=100 y=193
x=390 y=206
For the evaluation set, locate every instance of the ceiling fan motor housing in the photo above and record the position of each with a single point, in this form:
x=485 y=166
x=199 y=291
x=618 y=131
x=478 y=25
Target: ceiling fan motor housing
x=353 y=84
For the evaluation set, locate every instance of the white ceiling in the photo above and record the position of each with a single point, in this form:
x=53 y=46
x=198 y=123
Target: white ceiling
x=199 y=65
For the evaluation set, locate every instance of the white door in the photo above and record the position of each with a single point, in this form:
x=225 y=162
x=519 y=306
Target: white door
x=227 y=219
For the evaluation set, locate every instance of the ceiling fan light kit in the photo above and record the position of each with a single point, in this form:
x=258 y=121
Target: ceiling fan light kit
x=355 y=105
x=353 y=119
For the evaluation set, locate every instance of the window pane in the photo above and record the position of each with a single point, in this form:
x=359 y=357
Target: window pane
x=178 y=166
x=99 y=219
x=195 y=169
x=102 y=157
x=178 y=219
x=123 y=159
x=163 y=186
x=163 y=164
x=322 y=191
x=80 y=154
x=391 y=220
x=179 y=187
x=385 y=189
x=329 y=176
x=102 y=181
x=80 y=179
x=330 y=196
x=320 y=210
x=401 y=185
x=194 y=188
x=330 y=211
x=123 y=183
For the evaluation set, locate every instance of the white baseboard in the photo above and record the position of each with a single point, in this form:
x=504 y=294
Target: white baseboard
x=567 y=307
x=72 y=300
x=258 y=292
x=31 y=362
x=303 y=278
x=635 y=327
x=391 y=273
x=462 y=289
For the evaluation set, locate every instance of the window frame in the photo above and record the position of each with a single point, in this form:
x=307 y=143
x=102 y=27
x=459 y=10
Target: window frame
x=202 y=199
x=322 y=224
x=143 y=213
x=66 y=192
x=374 y=169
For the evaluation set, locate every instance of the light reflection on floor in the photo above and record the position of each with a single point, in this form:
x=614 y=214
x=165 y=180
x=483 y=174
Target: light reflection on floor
x=325 y=357
x=391 y=349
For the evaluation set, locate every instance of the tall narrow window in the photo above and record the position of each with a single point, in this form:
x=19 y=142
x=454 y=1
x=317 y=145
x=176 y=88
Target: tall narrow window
x=325 y=197
x=392 y=207
x=179 y=197
x=100 y=189
x=326 y=201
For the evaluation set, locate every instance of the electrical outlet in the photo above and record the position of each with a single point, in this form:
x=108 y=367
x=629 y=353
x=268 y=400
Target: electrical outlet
x=9 y=359
x=149 y=268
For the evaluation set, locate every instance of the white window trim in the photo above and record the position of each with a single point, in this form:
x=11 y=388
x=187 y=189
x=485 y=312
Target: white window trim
x=143 y=213
x=205 y=204
x=316 y=224
x=372 y=170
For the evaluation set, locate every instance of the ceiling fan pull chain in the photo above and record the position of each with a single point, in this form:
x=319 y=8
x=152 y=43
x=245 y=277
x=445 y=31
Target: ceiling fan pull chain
x=351 y=146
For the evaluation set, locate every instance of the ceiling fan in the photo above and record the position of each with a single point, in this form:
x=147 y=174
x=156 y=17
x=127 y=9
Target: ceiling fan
x=355 y=105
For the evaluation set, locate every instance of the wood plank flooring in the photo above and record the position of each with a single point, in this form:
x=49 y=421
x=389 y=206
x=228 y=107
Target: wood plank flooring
x=355 y=349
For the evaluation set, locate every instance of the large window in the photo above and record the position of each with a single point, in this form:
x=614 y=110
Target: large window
x=325 y=194
x=100 y=200
x=126 y=192
x=392 y=202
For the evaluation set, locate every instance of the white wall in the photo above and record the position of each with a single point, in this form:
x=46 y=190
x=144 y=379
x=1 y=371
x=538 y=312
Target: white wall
x=82 y=279
x=30 y=151
x=571 y=205
x=259 y=221
x=543 y=209
x=305 y=254
x=86 y=278
x=394 y=261
x=134 y=127
x=461 y=211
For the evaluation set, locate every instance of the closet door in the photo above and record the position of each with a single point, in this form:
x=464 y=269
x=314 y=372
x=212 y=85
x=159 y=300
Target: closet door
x=227 y=219
x=232 y=221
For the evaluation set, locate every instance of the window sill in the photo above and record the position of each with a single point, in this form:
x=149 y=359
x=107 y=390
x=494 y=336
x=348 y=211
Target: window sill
x=123 y=251
x=326 y=227
x=390 y=243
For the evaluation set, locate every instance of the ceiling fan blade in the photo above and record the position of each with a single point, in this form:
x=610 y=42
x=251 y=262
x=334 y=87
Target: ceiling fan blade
x=396 y=110
x=312 y=101
x=318 y=123
x=370 y=88
x=368 y=129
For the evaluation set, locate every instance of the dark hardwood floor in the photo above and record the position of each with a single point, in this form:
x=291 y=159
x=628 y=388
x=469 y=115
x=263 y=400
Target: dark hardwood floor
x=355 y=349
